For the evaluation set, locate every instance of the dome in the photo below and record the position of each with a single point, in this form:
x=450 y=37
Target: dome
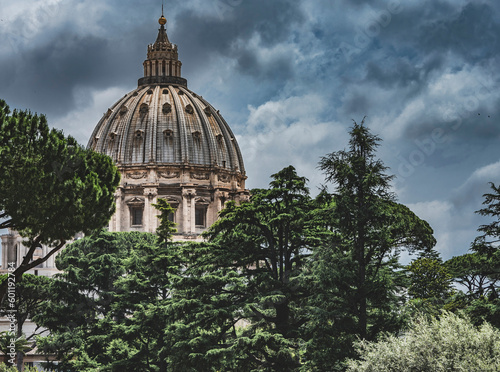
x=166 y=124
x=168 y=142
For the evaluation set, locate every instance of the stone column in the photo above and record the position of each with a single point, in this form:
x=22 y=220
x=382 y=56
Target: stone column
x=188 y=216
x=150 y=193
x=154 y=214
x=193 y=214
x=184 y=213
x=118 y=214
x=154 y=67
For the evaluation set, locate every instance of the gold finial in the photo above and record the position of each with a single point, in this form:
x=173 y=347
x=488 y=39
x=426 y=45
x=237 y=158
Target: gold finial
x=162 y=21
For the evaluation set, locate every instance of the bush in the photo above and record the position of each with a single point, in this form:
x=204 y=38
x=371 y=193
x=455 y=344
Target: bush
x=5 y=368
x=450 y=343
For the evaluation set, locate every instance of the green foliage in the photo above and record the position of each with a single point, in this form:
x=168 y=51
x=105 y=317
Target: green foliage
x=492 y=209
x=479 y=271
x=450 y=343
x=132 y=302
x=281 y=283
x=5 y=368
x=250 y=274
x=429 y=279
x=474 y=271
x=357 y=279
x=167 y=227
x=88 y=306
x=50 y=187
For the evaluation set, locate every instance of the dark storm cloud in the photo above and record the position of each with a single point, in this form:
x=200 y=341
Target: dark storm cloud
x=401 y=72
x=45 y=75
x=49 y=57
x=431 y=65
x=471 y=32
x=229 y=34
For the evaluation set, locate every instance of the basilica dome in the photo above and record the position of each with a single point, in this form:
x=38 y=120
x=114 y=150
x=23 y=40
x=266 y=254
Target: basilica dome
x=162 y=121
x=169 y=142
x=166 y=124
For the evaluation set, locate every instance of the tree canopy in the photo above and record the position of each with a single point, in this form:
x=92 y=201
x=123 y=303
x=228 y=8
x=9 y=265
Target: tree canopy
x=358 y=280
x=51 y=188
x=282 y=282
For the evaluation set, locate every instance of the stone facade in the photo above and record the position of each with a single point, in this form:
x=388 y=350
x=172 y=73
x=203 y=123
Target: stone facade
x=196 y=193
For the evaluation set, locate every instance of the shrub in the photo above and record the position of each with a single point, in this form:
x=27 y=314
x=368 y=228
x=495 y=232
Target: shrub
x=450 y=343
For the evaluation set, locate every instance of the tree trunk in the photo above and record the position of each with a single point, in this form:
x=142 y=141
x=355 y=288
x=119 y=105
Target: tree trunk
x=282 y=317
x=20 y=354
x=20 y=361
x=361 y=292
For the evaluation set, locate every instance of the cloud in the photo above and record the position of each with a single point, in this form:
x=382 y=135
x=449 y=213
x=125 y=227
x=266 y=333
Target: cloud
x=284 y=132
x=470 y=193
x=289 y=76
x=90 y=106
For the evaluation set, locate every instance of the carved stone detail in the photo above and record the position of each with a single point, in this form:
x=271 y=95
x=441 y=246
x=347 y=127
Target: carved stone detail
x=223 y=178
x=189 y=192
x=200 y=176
x=135 y=201
x=150 y=191
x=137 y=175
x=169 y=174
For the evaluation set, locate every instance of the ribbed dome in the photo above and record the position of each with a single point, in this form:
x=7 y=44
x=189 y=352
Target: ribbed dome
x=163 y=122
x=166 y=124
x=171 y=144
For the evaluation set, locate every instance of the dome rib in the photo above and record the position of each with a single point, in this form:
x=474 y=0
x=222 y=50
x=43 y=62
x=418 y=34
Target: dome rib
x=181 y=126
x=126 y=155
x=154 y=111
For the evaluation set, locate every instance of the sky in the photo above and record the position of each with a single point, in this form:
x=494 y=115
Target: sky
x=290 y=77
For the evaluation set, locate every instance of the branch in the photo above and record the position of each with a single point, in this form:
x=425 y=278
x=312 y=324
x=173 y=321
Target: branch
x=261 y=315
x=35 y=332
x=29 y=255
x=6 y=224
x=28 y=266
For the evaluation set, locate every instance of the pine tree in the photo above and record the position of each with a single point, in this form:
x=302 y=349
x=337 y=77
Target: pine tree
x=358 y=279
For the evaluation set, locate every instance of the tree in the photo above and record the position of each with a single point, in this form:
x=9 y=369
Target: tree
x=240 y=298
x=447 y=343
x=488 y=244
x=429 y=279
x=370 y=225
x=30 y=296
x=492 y=209
x=479 y=270
x=112 y=307
x=51 y=188
x=473 y=271
x=358 y=281
x=85 y=311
